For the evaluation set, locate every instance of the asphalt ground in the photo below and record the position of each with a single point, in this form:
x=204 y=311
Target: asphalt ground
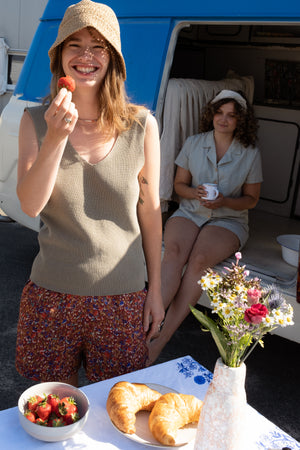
x=273 y=372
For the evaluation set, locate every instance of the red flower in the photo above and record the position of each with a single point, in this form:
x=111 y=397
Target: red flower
x=256 y=313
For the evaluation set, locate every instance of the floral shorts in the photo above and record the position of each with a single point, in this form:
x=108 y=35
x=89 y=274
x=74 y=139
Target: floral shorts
x=58 y=332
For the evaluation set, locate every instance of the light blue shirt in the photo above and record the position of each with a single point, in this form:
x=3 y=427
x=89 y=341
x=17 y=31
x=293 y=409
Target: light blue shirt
x=239 y=166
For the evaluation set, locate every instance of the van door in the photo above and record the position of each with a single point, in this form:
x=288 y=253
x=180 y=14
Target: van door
x=208 y=57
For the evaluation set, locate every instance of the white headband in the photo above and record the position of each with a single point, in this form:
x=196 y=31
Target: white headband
x=230 y=94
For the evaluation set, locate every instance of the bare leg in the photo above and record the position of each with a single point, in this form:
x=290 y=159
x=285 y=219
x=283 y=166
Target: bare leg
x=213 y=245
x=180 y=235
x=73 y=380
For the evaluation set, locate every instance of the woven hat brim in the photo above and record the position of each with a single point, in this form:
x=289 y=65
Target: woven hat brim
x=89 y=14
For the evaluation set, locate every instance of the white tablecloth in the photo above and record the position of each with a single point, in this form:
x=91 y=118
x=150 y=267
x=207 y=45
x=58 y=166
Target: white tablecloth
x=184 y=375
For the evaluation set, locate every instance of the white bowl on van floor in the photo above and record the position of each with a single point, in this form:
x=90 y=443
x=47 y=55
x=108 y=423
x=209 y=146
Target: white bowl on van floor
x=290 y=245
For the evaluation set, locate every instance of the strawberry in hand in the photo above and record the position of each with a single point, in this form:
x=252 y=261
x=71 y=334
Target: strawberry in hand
x=66 y=82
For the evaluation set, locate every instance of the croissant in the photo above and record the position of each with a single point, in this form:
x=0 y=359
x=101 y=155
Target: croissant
x=171 y=412
x=125 y=400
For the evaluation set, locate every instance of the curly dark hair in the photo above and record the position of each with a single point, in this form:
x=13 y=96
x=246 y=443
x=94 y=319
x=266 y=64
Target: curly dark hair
x=247 y=125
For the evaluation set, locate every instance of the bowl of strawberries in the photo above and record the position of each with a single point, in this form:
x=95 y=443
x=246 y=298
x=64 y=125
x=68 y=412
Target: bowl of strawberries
x=53 y=411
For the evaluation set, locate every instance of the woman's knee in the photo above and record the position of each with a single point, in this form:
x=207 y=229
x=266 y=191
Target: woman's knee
x=198 y=262
x=174 y=253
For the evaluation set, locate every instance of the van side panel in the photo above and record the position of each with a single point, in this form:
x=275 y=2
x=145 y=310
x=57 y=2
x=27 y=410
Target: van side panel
x=232 y=9
x=34 y=81
x=144 y=46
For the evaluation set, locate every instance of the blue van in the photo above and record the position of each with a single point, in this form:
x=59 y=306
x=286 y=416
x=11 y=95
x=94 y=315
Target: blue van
x=178 y=55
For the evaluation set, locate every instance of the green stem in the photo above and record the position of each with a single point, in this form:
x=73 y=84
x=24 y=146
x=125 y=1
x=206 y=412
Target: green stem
x=263 y=332
x=251 y=349
x=240 y=359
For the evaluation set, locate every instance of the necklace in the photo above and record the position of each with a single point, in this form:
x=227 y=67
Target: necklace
x=88 y=120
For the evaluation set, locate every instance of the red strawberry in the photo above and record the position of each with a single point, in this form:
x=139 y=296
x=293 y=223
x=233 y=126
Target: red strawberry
x=66 y=82
x=40 y=421
x=43 y=410
x=71 y=418
x=67 y=406
x=33 y=402
x=56 y=422
x=53 y=400
x=30 y=416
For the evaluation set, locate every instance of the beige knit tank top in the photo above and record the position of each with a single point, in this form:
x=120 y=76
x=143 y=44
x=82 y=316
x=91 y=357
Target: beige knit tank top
x=90 y=241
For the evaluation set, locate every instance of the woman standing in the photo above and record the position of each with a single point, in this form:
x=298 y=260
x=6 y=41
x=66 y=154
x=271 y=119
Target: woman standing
x=89 y=165
x=202 y=233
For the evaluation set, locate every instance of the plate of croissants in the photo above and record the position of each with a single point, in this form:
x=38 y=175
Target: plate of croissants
x=152 y=414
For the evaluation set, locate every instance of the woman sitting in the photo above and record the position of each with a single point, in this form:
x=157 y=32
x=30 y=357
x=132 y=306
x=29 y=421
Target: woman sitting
x=202 y=233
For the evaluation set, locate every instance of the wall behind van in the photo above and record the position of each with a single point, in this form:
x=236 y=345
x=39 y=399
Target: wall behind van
x=19 y=20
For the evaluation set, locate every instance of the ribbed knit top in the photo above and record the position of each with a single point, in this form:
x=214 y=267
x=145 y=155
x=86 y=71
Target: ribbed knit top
x=90 y=241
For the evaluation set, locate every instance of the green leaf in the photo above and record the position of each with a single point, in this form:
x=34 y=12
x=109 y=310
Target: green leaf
x=215 y=332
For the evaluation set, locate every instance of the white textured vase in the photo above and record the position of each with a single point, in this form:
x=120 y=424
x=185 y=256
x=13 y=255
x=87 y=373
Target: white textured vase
x=222 y=420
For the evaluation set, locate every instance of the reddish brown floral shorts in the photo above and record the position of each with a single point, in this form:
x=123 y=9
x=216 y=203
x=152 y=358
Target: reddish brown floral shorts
x=58 y=332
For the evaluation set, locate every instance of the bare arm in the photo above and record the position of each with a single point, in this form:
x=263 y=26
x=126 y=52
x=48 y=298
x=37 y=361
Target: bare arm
x=182 y=184
x=248 y=200
x=37 y=168
x=149 y=215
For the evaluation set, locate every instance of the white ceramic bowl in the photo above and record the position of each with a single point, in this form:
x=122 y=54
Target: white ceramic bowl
x=50 y=434
x=290 y=245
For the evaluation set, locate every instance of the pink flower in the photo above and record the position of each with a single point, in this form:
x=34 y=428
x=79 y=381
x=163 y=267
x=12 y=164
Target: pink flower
x=253 y=295
x=256 y=313
x=238 y=255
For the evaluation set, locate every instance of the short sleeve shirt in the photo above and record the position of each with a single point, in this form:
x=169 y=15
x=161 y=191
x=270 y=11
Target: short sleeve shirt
x=240 y=165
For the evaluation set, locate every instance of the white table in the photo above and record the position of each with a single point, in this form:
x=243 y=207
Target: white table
x=184 y=375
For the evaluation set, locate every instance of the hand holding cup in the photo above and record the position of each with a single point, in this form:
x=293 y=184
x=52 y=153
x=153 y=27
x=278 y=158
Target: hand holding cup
x=211 y=191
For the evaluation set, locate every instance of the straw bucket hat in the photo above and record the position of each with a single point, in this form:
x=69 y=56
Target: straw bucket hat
x=89 y=14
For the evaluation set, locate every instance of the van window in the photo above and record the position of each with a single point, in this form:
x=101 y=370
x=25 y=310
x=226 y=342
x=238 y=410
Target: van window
x=15 y=63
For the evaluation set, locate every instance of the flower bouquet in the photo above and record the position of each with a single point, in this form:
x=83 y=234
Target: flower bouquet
x=245 y=311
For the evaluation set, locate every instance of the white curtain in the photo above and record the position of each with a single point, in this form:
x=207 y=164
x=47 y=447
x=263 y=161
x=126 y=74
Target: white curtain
x=3 y=65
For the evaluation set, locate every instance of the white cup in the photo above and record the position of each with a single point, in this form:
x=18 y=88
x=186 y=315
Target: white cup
x=212 y=191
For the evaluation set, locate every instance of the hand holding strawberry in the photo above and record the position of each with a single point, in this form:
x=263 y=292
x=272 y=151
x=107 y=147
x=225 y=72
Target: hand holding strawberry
x=66 y=82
